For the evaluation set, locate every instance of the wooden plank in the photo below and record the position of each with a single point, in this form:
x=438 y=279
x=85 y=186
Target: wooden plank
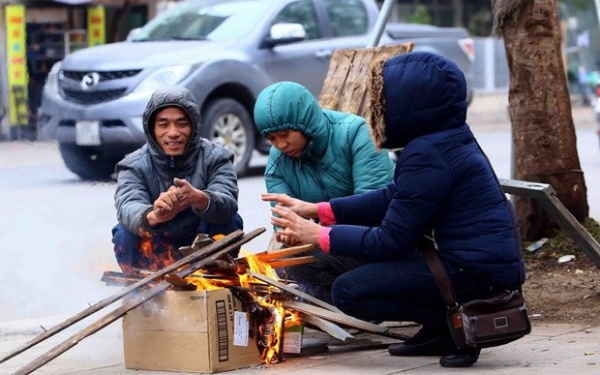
x=293 y=291
x=328 y=327
x=341 y=318
x=346 y=82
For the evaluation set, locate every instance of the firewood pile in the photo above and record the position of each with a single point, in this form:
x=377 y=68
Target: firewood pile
x=251 y=278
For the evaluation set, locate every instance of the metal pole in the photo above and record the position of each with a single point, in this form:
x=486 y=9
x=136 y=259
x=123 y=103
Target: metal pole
x=382 y=19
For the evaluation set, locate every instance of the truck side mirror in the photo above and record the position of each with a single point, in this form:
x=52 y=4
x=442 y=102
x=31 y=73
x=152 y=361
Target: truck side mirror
x=132 y=33
x=284 y=33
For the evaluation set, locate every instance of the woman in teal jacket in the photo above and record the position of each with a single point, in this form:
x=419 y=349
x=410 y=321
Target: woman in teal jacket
x=317 y=154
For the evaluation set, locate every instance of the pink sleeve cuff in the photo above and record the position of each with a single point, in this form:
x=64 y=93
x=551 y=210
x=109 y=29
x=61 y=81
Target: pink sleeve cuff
x=326 y=216
x=324 y=239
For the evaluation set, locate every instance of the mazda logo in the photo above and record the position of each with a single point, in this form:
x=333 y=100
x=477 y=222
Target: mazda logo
x=90 y=80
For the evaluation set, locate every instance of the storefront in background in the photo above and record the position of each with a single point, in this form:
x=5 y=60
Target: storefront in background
x=34 y=35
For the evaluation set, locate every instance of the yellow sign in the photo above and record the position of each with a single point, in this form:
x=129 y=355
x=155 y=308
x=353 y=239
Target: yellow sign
x=96 y=21
x=16 y=56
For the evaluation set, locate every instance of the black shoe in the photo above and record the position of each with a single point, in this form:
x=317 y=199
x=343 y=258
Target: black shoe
x=437 y=346
x=461 y=358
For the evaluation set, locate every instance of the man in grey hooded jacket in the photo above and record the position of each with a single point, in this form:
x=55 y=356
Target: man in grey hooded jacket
x=175 y=186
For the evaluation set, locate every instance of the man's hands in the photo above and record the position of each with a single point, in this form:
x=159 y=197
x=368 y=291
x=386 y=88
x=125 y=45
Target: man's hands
x=190 y=196
x=179 y=197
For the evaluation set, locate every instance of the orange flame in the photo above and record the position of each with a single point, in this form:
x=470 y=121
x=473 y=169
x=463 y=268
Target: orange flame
x=153 y=260
x=270 y=333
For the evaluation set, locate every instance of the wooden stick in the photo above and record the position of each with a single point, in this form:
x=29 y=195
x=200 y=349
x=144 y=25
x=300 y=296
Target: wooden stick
x=341 y=318
x=289 y=262
x=112 y=278
x=293 y=291
x=179 y=282
x=278 y=254
x=279 y=263
x=231 y=238
x=137 y=300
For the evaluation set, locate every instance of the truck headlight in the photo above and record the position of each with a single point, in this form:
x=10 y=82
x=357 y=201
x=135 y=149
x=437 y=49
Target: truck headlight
x=51 y=85
x=167 y=76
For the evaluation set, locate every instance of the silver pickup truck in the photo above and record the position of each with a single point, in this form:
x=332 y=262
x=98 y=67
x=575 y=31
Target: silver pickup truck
x=225 y=52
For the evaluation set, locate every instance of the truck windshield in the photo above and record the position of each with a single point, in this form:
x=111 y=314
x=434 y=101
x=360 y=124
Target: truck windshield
x=205 y=19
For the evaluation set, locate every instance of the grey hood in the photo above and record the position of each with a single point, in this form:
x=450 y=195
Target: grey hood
x=174 y=96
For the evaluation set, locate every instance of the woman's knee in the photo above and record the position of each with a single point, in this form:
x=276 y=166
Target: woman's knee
x=344 y=295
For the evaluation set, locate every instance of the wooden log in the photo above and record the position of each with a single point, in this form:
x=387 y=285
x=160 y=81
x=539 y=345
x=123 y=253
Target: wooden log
x=341 y=318
x=232 y=241
x=345 y=85
x=304 y=296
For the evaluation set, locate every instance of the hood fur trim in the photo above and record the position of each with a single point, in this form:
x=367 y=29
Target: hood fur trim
x=376 y=103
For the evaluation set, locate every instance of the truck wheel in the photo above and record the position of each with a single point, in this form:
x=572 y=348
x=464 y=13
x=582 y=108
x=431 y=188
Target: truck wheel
x=87 y=163
x=228 y=123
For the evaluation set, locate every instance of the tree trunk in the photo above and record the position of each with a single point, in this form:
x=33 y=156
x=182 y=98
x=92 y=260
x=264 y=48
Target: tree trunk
x=540 y=111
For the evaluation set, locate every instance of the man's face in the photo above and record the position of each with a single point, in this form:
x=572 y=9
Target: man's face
x=172 y=130
x=290 y=142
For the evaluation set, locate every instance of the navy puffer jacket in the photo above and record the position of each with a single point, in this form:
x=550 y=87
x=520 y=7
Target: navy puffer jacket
x=443 y=181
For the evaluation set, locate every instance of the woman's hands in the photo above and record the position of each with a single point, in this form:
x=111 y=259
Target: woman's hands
x=302 y=208
x=295 y=230
x=289 y=216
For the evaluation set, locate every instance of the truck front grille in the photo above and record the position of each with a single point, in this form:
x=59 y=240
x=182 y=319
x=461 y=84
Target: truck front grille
x=104 y=76
x=93 y=97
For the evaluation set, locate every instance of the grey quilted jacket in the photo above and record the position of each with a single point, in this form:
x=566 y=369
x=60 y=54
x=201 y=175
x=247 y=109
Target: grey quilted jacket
x=145 y=173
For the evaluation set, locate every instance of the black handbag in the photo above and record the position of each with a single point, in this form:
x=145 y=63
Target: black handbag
x=479 y=323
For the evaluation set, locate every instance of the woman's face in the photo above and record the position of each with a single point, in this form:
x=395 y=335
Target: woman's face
x=290 y=142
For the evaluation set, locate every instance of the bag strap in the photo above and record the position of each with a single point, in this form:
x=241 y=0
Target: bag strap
x=438 y=271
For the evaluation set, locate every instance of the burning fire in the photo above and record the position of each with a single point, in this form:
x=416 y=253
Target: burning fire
x=155 y=255
x=264 y=302
x=268 y=312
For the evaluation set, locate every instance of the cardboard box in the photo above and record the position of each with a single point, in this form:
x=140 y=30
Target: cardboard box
x=292 y=337
x=198 y=331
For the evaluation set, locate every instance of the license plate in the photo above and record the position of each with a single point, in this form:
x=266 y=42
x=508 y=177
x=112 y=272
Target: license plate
x=87 y=133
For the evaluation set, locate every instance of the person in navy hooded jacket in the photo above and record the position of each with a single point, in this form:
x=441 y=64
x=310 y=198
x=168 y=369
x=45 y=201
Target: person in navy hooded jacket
x=443 y=183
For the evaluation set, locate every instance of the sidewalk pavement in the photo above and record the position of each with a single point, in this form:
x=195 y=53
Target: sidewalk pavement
x=550 y=349
x=489 y=112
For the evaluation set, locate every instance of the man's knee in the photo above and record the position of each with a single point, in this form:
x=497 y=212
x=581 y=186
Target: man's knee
x=126 y=246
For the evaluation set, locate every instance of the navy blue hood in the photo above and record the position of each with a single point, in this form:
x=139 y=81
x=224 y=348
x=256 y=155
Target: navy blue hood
x=440 y=104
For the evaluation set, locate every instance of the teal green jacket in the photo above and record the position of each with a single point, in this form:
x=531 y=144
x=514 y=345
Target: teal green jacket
x=340 y=158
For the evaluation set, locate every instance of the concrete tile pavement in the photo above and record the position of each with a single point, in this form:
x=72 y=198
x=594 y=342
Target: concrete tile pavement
x=550 y=349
